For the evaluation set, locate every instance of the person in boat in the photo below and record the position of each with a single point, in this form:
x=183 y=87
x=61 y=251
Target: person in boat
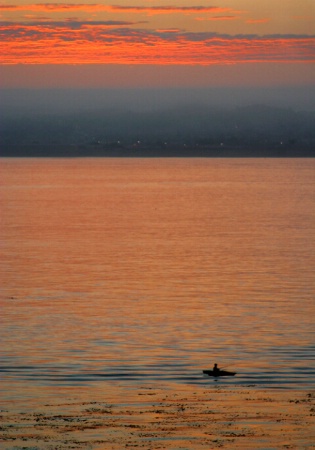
x=216 y=369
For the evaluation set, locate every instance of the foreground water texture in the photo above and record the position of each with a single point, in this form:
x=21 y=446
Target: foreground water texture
x=120 y=276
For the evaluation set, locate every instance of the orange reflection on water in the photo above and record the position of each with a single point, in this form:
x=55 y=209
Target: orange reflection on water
x=157 y=268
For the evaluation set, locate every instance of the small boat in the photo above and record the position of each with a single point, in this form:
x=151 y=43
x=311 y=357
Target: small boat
x=219 y=373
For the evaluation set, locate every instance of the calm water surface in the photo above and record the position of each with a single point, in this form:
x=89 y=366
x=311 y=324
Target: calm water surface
x=149 y=270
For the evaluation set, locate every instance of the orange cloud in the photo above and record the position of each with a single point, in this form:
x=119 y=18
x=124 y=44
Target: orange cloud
x=66 y=7
x=257 y=21
x=114 y=43
x=51 y=7
x=217 y=18
x=170 y=9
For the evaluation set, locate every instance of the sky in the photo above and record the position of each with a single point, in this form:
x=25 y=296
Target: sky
x=157 y=43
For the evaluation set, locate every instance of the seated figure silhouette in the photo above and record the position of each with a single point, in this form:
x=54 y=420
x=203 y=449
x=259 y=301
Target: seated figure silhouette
x=216 y=370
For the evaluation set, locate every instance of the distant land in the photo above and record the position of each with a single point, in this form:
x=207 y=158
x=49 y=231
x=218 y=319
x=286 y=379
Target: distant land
x=174 y=130
x=169 y=151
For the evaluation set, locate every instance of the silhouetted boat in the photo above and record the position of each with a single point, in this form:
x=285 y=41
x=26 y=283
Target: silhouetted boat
x=220 y=373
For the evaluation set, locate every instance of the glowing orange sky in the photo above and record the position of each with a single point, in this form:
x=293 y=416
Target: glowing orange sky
x=84 y=43
x=183 y=33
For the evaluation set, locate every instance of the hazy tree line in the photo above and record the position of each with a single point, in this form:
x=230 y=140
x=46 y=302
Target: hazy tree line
x=173 y=130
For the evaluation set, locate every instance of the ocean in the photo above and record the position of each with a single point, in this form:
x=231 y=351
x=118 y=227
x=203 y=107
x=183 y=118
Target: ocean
x=138 y=271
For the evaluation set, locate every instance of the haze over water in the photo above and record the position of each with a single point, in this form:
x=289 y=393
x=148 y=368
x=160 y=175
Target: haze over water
x=149 y=270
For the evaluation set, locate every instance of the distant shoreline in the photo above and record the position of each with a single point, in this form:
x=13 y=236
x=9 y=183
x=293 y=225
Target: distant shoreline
x=170 y=151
